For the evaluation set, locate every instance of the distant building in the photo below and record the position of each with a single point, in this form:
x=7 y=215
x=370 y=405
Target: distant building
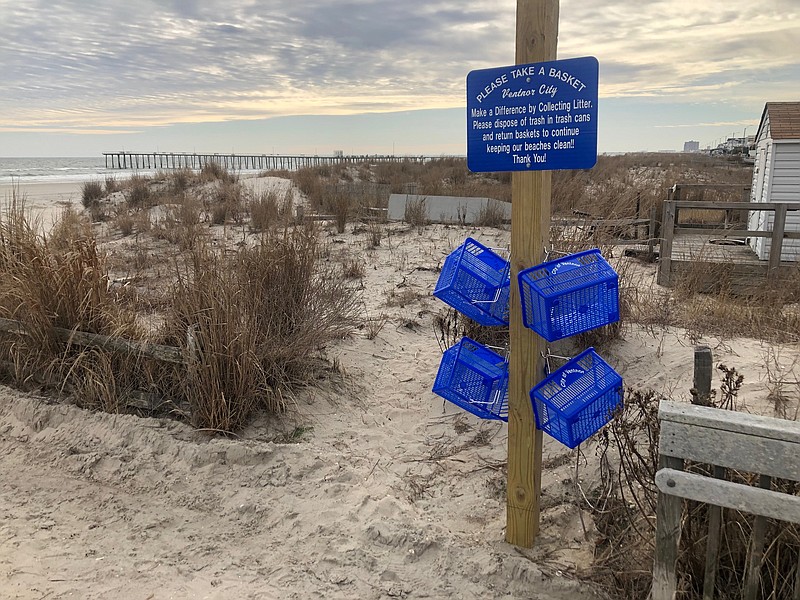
x=691 y=146
x=776 y=174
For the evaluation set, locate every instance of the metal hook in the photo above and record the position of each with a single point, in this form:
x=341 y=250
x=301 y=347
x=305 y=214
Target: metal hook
x=552 y=250
x=548 y=356
x=502 y=349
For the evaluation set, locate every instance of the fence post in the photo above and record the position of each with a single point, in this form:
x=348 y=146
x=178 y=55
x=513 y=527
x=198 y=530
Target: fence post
x=667 y=233
x=668 y=536
x=701 y=385
x=776 y=245
x=752 y=578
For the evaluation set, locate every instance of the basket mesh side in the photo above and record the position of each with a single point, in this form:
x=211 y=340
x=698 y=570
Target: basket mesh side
x=474 y=281
x=573 y=413
x=474 y=378
x=562 y=303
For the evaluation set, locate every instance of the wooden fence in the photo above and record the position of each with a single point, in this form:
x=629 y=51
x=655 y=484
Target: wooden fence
x=136 y=398
x=672 y=229
x=103 y=342
x=727 y=440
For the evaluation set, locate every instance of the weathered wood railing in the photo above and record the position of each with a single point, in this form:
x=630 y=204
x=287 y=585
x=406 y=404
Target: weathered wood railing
x=671 y=227
x=135 y=399
x=95 y=340
x=727 y=440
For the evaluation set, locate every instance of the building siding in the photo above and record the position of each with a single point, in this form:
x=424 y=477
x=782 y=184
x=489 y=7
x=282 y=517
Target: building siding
x=780 y=183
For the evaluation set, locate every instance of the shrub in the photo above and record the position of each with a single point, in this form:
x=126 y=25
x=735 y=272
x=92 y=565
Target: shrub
x=255 y=321
x=354 y=269
x=263 y=211
x=60 y=281
x=125 y=222
x=491 y=215
x=111 y=185
x=179 y=180
x=91 y=193
x=228 y=203
x=139 y=195
x=213 y=171
x=341 y=205
x=375 y=234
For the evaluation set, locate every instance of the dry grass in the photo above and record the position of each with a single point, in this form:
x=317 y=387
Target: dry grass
x=255 y=322
x=181 y=223
x=267 y=210
x=138 y=192
x=491 y=215
x=375 y=234
x=354 y=268
x=450 y=326
x=416 y=212
x=55 y=281
x=91 y=193
x=374 y=325
x=212 y=171
x=228 y=203
x=251 y=322
x=111 y=185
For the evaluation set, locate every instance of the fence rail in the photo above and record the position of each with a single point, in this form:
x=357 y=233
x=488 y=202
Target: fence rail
x=727 y=440
x=671 y=227
x=158 y=352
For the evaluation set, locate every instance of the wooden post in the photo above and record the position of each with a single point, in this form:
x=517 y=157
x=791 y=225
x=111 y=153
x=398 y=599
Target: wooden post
x=652 y=233
x=712 y=542
x=776 y=245
x=752 y=577
x=537 y=38
x=667 y=233
x=668 y=537
x=701 y=386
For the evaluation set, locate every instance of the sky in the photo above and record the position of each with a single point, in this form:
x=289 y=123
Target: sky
x=80 y=77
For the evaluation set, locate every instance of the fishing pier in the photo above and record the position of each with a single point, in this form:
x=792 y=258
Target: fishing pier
x=244 y=162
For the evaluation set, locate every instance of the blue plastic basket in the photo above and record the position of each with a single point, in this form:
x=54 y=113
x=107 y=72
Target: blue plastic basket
x=475 y=281
x=569 y=295
x=575 y=401
x=475 y=378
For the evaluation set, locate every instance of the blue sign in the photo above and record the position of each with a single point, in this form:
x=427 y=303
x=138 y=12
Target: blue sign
x=540 y=116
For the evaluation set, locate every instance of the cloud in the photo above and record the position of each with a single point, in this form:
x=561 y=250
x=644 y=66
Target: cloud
x=121 y=65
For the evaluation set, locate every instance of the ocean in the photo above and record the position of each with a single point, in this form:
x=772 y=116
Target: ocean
x=70 y=169
x=21 y=170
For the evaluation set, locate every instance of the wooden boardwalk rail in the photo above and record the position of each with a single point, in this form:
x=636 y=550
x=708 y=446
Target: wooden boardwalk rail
x=673 y=231
x=727 y=440
x=255 y=162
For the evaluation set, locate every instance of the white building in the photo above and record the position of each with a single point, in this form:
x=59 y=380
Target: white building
x=776 y=174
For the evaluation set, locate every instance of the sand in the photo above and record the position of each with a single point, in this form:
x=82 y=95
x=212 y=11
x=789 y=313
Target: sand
x=45 y=201
x=372 y=487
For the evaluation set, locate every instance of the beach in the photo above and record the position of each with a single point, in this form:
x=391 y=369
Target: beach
x=45 y=201
x=370 y=486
